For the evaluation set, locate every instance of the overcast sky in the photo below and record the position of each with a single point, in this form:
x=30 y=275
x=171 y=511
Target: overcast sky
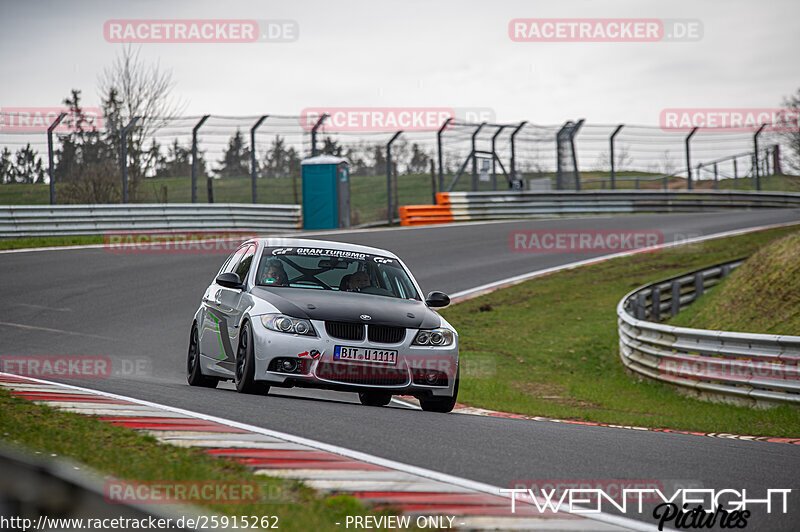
x=453 y=53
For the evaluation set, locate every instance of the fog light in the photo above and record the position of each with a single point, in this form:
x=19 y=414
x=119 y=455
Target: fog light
x=289 y=365
x=431 y=378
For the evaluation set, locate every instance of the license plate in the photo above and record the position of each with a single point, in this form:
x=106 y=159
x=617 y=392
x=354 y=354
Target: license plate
x=361 y=354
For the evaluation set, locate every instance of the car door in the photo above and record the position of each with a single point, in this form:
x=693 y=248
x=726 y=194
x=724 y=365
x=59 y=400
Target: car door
x=213 y=330
x=231 y=303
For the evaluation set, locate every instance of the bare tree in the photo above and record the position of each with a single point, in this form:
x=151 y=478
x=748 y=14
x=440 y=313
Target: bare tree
x=792 y=134
x=144 y=91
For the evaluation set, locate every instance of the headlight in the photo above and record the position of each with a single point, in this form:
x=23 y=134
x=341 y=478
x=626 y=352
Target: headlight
x=435 y=337
x=287 y=324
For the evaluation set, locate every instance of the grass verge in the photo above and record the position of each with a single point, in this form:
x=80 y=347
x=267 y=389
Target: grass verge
x=49 y=241
x=549 y=347
x=132 y=456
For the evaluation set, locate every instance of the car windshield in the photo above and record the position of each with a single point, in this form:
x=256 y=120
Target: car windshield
x=332 y=269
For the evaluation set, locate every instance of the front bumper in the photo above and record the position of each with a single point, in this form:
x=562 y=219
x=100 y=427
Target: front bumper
x=406 y=377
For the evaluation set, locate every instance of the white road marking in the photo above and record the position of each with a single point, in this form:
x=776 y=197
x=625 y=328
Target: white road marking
x=48 y=329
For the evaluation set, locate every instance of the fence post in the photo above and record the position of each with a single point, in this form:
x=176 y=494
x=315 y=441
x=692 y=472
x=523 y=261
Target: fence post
x=314 y=134
x=513 y=163
x=389 y=210
x=735 y=174
x=194 y=156
x=611 y=151
x=439 y=147
x=576 y=174
x=776 y=159
x=51 y=165
x=698 y=285
x=755 y=155
x=716 y=179
x=475 y=159
x=124 y=157
x=689 y=160
x=253 y=162
x=494 y=157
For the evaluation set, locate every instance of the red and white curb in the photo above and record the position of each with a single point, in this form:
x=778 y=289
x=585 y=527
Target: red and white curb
x=326 y=468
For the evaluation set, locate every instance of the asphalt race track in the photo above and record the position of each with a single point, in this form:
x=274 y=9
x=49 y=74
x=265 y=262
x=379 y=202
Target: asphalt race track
x=137 y=308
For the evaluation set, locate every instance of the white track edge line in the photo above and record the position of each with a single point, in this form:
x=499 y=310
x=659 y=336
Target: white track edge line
x=624 y=522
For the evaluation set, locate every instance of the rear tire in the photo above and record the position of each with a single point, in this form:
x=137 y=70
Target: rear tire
x=441 y=404
x=374 y=398
x=246 y=365
x=194 y=375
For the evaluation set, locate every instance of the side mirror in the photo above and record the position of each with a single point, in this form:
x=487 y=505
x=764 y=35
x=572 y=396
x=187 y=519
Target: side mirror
x=437 y=299
x=230 y=280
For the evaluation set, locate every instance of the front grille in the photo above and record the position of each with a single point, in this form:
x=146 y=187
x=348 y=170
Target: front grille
x=364 y=375
x=384 y=334
x=344 y=330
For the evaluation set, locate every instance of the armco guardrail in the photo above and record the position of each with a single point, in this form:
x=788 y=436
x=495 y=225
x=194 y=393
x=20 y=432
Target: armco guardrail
x=465 y=206
x=750 y=367
x=45 y=220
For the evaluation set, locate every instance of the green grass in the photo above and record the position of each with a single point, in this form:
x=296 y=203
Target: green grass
x=761 y=296
x=49 y=241
x=549 y=347
x=131 y=456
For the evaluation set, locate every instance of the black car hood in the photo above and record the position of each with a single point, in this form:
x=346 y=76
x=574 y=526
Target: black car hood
x=329 y=305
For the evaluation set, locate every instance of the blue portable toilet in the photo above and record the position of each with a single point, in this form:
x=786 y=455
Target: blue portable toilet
x=326 y=192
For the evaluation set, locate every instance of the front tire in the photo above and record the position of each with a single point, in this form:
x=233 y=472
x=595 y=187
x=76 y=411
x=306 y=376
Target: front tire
x=194 y=375
x=441 y=404
x=246 y=365
x=374 y=398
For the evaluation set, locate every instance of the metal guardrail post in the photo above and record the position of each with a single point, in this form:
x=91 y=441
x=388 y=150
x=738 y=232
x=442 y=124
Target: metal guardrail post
x=253 y=161
x=194 y=156
x=314 y=133
x=755 y=155
x=698 y=286
x=613 y=173
x=123 y=160
x=689 y=184
x=675 y=298
x=513 y=162
x=474 y=158
x=655 y=304
x=439 y=148
x=389 y=209
x=51 y=164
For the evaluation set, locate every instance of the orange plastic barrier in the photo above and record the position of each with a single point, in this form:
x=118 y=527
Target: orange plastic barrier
x=425 y=214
